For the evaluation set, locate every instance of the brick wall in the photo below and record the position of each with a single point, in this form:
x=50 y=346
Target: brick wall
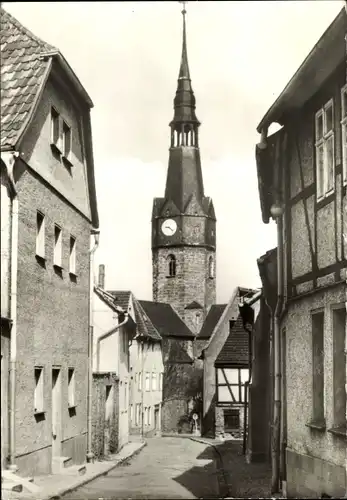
x=52 y=324
x=105 y=415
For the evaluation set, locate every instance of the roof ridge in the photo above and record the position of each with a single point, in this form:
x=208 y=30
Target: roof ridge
x=41 y=43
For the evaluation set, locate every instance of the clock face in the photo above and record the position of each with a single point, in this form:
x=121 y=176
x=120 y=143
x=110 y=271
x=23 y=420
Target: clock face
x=169 y=227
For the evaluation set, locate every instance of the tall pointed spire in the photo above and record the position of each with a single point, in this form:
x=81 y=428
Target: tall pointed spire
x=184 y=68
x=184 y=102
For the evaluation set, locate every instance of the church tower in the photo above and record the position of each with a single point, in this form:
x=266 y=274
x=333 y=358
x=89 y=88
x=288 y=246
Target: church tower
x=184 y=221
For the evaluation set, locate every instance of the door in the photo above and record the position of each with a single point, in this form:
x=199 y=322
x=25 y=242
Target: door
x=108 y=418
x=56 y=412
x=156 y=418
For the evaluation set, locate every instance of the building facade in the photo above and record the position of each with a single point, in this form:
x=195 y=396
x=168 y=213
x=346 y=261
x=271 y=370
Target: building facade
x=302 y=171
x=46 y=153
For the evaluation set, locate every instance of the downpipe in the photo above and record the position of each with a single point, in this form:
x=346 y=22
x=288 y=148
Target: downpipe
x=107 y=334
x=90 y=454
x=276 y=424
x=9 y=159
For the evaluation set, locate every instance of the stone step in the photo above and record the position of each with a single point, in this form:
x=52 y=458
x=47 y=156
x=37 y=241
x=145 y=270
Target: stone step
x=11 y=485
x=26 y=482
x=59 y=464
x=75 y=470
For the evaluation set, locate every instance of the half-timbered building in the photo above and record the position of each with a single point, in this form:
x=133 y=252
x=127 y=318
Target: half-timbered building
x=302 y=173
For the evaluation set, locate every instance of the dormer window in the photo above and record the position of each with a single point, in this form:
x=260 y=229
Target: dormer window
x=55 y=130
x=172 y=265
x=325 y=153
x=211 y=267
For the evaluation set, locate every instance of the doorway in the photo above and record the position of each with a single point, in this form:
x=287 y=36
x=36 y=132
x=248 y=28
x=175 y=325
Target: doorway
x=108 y=418
x=56 y=412
x=156 y=418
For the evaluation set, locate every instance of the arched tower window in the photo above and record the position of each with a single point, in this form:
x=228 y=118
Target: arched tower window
x=172 y=265
x=211 y=267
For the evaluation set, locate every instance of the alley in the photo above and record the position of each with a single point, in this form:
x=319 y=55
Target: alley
x=165 y=468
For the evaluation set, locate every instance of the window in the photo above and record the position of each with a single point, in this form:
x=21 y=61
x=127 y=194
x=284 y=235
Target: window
x=160 y=381
x=344 y=131
x=145 y=416
x=149 y=415
x=138 y=414
x=55 y=129
x=71 y=388
x=66 y=141
x=108 y=402
x=318 y=368
x=231 y=420
x=211 y=267
x=57 y=254
x=140 y=382
x=38 y=392
x=40 y=235
x=154 y=381
x=172 y=265
x=339 y=367
x=72 y=257
x=325 y=153
x=147 y=382
x=131 y=414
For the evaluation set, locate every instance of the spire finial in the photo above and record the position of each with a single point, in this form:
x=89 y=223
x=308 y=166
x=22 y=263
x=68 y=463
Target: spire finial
x=184 y=69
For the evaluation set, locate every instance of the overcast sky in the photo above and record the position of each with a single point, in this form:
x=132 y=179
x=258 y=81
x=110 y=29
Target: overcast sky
x=127 y=54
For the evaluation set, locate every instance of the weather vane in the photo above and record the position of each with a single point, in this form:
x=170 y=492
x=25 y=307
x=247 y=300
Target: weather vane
x=184 y=3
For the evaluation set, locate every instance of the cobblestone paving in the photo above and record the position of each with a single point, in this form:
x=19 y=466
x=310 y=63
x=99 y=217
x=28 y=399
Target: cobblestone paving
x=165 y=468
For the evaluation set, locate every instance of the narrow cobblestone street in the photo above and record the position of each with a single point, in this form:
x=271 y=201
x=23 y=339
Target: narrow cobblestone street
x=165 y=468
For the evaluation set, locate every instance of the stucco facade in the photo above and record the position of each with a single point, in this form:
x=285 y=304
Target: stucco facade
x=146 y=389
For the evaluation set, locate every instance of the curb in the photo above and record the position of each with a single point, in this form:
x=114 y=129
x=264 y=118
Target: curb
x=222 y=481
x=63 y=491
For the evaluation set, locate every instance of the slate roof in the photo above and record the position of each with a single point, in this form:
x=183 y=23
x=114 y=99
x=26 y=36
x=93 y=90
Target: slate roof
x=23 y=73
x=145 y=327
x=194 y=305
x=211 y=320
x=166 y=320
x=121 y=297
x=109 y=300
x=235 y=350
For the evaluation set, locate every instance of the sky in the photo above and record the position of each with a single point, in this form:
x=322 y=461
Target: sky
x=127 y=54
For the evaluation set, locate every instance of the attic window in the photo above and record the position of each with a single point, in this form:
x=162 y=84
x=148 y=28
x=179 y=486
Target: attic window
x=172 y=265
x=55 y=130
x=325 y=153
x=67 y=143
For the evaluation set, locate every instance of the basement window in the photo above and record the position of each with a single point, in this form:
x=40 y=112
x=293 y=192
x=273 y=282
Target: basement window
x=57 y=254
x=325 y=151
x=40 y=235
x=71 y=388
x=38 y=391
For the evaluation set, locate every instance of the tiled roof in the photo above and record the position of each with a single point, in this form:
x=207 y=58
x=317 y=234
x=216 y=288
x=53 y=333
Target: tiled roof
x=235 y=350
x=144 y=325
x=165 y=319
x=109 y=300
x=211 y=320
x=177 y=354
x=121 y=298
x=23 y=72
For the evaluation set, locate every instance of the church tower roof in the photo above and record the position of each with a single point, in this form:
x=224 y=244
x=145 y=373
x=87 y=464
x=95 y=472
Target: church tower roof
x=184 y=102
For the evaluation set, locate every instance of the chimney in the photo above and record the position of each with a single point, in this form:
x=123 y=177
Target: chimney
x=101 y=280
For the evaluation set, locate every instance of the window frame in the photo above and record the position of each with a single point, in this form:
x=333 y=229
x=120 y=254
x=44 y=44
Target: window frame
x=139 y=387
x=154 y=381
x=72 y=255
x=40 y=250
x=344 y=134
x=56 y=143
x=39 y=401
x=322 y=190
x=172 y=265
x=318 y=319
x=148 y=379
x=58 y=247
x=66 y=155
x=161 y=377
x=71 y=381
x=211 y=270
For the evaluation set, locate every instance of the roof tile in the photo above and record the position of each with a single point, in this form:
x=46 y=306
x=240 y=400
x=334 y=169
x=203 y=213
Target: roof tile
x=22 y=70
